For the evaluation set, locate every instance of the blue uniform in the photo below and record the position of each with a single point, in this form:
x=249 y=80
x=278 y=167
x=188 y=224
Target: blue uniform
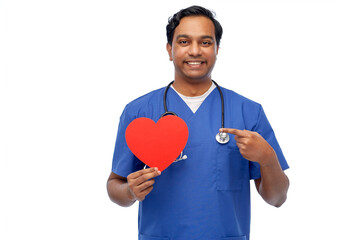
x=206 y=196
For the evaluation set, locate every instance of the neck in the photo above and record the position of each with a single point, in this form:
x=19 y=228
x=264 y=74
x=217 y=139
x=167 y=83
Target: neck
x=192 y=89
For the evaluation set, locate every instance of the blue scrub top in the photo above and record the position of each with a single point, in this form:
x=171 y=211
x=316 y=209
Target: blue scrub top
x=206 y=196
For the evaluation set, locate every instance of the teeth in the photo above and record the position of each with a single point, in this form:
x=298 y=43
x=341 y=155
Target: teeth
x=194 y=63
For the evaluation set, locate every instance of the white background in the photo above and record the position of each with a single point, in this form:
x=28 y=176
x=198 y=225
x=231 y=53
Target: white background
x=69 y=67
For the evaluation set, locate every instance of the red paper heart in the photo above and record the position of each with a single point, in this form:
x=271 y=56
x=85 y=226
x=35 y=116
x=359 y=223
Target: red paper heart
x=157 y=144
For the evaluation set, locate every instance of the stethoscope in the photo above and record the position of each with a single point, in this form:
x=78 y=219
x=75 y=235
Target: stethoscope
x=220 y=137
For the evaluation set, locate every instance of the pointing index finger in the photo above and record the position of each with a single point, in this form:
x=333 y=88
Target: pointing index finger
x=236 y=132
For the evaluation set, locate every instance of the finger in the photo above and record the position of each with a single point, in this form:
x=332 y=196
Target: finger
x=145 y=177
x=139 y=173
x=142 y=187
x=236 y=132
x=144 y=193
x=241 y=140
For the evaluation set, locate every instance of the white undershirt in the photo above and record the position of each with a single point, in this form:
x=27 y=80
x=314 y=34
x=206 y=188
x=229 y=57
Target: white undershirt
x=195 y=102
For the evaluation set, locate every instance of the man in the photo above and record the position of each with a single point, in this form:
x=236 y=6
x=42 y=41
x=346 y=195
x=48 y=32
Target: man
x=207 y=195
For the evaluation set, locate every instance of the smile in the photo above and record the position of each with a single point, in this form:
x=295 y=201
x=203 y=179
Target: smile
x=194 y=63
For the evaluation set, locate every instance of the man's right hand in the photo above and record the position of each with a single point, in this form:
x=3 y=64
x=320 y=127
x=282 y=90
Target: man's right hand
x=141 y=183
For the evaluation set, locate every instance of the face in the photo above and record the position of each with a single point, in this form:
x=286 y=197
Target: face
x=193 y=49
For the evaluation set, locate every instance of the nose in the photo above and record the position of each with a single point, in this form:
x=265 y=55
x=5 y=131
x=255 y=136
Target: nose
x=194 y=50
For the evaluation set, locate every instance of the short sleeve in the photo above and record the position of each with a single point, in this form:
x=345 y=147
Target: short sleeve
x=124 y=161
x=263 y=127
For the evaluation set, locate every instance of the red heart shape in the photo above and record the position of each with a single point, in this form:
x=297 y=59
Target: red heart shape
x=157 y=144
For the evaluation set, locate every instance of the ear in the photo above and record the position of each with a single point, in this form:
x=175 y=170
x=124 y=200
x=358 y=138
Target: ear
x=169 y=50
x=217 y=50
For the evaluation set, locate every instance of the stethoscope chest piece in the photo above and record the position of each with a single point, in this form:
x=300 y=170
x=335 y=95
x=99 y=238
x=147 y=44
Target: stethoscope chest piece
x=222 y=138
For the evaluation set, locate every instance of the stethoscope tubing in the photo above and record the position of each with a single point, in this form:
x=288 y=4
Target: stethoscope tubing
x=173 y=113
x=222 y=104
x=221 y=138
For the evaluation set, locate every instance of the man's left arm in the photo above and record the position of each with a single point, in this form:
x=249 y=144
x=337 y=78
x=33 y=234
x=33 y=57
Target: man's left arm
x=273 y=184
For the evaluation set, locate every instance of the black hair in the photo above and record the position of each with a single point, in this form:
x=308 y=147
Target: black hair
x=192 y=11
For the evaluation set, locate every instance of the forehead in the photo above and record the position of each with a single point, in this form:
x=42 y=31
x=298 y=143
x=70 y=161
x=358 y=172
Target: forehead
x=195 y=26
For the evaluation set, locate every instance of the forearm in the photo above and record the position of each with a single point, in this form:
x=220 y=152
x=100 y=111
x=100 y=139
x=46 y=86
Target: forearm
x=274 y=183
x=119 y=192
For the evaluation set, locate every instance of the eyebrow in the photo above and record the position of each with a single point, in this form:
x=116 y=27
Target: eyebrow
x=187 y=36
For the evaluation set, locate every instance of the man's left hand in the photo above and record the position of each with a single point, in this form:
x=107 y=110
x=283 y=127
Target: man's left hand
x=252 y=145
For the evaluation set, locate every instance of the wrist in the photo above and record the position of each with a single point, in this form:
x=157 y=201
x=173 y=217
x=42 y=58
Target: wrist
x=130 y=195
x=269 y=159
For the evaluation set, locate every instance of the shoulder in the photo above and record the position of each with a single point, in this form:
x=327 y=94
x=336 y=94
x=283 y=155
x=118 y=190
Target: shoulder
x=242 y=109
x=145 y=99
x=141 y=106
x=237 y=98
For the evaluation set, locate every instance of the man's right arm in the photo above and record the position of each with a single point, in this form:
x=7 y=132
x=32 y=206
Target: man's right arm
x=125 y=191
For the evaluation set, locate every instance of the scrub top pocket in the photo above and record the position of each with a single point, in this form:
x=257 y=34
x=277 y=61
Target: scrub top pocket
x=231 y=168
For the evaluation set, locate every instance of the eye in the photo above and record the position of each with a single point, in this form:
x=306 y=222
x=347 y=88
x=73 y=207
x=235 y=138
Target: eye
x=206 y=43
x=183 y=42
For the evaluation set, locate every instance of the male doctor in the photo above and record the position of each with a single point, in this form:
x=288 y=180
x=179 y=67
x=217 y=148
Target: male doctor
x=207 y=195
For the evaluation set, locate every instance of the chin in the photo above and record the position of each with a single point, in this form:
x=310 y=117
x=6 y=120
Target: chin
x=197 y=77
